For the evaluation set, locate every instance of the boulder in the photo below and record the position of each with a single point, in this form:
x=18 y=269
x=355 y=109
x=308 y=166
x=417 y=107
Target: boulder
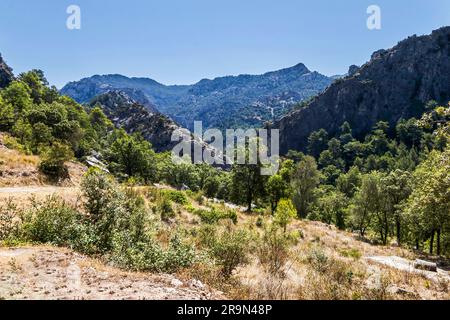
x=425 y=265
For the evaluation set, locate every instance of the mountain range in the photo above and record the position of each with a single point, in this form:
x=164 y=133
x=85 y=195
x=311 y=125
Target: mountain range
x=225 y=102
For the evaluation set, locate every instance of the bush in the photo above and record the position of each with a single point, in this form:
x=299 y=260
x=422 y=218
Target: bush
x=318 y=259
x=176 y=196
x=230 y=250
x=55 y=222
x=214 y=215
x=53 y=159
x=273 y=250
x=199 y=198
x=149 y=256
x=8 y=225
x=105 y=204
x=165 y=209
x=351 y=253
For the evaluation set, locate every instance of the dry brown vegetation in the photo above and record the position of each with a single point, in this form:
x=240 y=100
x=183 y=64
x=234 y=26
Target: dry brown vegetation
x=20 y=169
x=311 y=261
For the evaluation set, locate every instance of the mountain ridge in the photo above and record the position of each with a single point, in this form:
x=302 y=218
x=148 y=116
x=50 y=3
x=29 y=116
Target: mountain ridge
x=396 y=83
x=212 y=100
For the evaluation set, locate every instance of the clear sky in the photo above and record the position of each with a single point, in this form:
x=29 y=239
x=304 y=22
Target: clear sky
x=183 y=41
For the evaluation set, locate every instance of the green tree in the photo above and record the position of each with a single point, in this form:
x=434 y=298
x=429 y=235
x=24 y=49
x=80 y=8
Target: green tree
x=429 y=201
x=366 y=202
x=396 y=187
x=331 y=207
x=53 y=160
x=349 y=182
x=276 y=189
x=305 y=179
x=134 y=157
x=285 y=212
x=18 y=95
x=6 y=115
x=317 y=142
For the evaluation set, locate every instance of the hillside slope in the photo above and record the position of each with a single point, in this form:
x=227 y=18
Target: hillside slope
x=394 y=84
x=133 y=117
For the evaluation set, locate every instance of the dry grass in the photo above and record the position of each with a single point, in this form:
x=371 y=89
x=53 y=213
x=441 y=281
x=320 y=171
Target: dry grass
x=323 y=263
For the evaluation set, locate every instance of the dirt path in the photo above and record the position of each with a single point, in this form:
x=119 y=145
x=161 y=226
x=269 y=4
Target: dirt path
x=22 y=195
x=32 y=190
x=54 y=273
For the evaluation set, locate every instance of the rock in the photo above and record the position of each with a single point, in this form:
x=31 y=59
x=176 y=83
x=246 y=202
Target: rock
x=352 y=70
x=425 y=265
x=395 y=84
x=6 y=74
x=132 y=116
x=196 y=284
x=176 y=283
x=401 y=291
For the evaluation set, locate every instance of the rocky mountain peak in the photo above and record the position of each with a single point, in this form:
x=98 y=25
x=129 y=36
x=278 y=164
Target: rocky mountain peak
x=396 y=83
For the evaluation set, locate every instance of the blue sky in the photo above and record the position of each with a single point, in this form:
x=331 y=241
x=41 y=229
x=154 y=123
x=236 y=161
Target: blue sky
x=183 y=41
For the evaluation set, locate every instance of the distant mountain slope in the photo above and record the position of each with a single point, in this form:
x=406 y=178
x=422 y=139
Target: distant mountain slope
x=394 y=84
x=245 y=100
x=134 y=117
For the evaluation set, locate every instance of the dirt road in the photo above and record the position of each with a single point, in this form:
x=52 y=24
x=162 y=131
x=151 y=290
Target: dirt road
x=55 y=273
x=24 y=194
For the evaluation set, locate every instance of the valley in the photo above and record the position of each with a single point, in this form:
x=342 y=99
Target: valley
x=92 y=205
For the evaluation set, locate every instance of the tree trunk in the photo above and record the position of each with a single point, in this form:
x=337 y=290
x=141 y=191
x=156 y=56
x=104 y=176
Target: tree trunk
x=438 y=248
x=431 y=242
x=249 y=201
x=399 y=238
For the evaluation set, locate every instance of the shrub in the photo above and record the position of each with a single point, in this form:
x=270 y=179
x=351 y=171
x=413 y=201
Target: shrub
x=104 y=203
x=285 y=213
x=8 y=225
x=53 y=159
x=318 y=259
x=199 y=198
x=55 y=222
x=259 y=222
x=230 y=250
x=176 y=196
x=150 y=256
x=273 y=251
x=214 y=215
x=165 y=209
x=351 y=253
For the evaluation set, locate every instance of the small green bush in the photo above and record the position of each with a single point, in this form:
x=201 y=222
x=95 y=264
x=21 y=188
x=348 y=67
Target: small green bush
x=55 y=222
x=351 y=253
x=165 y=209
x=176 y=196
x=150 y=256
x=318 y=259
x=214 y=215
x=230 y=249
x=8 y=225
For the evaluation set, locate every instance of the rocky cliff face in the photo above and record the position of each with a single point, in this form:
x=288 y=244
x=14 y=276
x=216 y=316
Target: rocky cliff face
x=133 y=117
x=6 y=74
x=394 y=84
